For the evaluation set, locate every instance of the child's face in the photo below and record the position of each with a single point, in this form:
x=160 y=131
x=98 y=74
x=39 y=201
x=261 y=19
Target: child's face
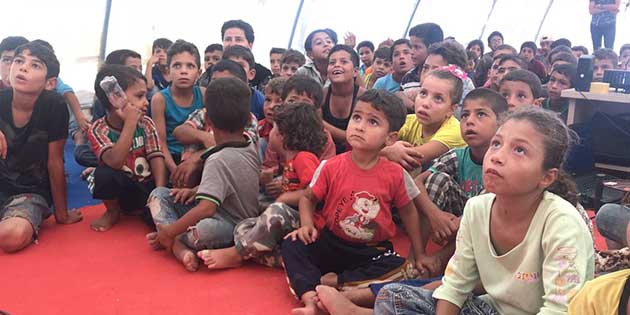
x=513 y=164
x=274 y=61
x=6 y=59
x=431 y=63
x=495 y=42
x=527 y=53
x=599 y=66
x=368 y=128
x=367 y=56
x=505 y=68
x=321 y=45
x=382 y=67
x=470 y=66
x=235 y=36
x=545 y=46
x=134 y=63
x=476 y=49
x=137 y=95
x=340 y=67
x=433 y=104
x=276 y=141
x=478 y=123
x=28 y=73
x=625 y=56
x=184 y=70
x=162 y=57
x=251 y=73
x=419 y=50
x=289 y=69
x=402 y=59
x=557 y=83
x=492 y=74
x=272 y=102
x=212 y=58
x=516 y=94
x=294 y=97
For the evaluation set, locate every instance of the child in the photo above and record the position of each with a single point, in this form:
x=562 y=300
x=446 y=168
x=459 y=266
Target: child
x=421 y=37
x=402 y=63
x=624 y=55
x=291 y=61
x=521 y=88
x=244 y=57
x=476 y=46
x=528 y=52
x=317 y=46
x=381 y=67
x=433 y=129
x=603 y=59
x=301 y=135
x=157 y=72
x=527 y=247
x=131 y=162
x=275 y=60
x=561 y=78
x=347 y=242
x=579 y=51
x=125 y=57
x=471 y=63
x=33 y=132
x=211 y=56
x=509 y=63
x=228 y=189
x=604 y=295
x=171 y=106
x=563 y=59
x=366 y=54
x=7 y=51
x=273 y=100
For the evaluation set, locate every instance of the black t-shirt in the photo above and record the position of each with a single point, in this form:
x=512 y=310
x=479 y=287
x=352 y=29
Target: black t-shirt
x=25 y=170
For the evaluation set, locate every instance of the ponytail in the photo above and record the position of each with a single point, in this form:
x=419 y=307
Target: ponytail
x=565 y=187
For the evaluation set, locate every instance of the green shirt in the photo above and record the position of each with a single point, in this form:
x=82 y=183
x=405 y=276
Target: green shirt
x=459 y=165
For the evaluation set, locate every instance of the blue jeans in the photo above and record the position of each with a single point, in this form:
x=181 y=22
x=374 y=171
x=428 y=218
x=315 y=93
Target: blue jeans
x=607 y=31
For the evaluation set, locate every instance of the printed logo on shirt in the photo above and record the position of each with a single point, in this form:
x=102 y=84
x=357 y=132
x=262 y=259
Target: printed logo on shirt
x=566 y=278
x=361 y=224
x=529 y=277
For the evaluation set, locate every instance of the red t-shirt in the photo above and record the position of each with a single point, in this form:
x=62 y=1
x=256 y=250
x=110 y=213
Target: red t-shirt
x=275 y=160
x=264 y=129
x=299 y=171
x=357 y=202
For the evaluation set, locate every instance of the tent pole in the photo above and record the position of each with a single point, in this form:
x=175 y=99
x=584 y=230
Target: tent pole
x=103 y=47
x=543 y=20
x=413 y=14
x=483 y=29
x=297 y=18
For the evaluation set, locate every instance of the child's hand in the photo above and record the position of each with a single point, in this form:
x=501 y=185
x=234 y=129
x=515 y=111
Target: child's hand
x=3 y=146
x=154 y=59
x=403 y=153
x=183 y=195
x=350 y=39
x=83 y=123
x=306 y=234
x=164 y=236
x=266 y=176
x=443 y=225
x=428 y=265
x=131 y=114
x=274 y=188
x=73 y=216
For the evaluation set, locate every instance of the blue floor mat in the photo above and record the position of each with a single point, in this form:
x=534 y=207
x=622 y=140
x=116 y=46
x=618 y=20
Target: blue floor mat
x=78 y=193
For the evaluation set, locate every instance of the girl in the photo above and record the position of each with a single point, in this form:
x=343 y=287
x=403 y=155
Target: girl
x=341 y=95
x=432 y=130
x=529 y=247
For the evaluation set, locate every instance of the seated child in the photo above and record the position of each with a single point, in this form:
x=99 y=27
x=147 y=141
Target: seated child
x=244 y=57
x=563 y=58
x=381 y=67
x=125 y=141
x=275 y=61
x=317 y=46
x=579 y=51
x=509 y=63
x=7 y=51
x=211 y=56
x=347 y=242
x=528 y=53
x=608 y=294
x=273 y=100
x=366 y=54
x=624 y=55
x=603 y=59
x=433 y=129
x=291 y=61
x=561 y=78
x=471 y=63
x=191 y=219
x=521 y=88
x=519 y=240
x=401 y=64
x=300 y=133
x=157 y=71
x=421 y=37
x=171 y=106
x=33 y=132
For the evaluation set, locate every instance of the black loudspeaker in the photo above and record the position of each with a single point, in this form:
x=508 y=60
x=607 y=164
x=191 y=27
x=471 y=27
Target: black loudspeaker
x=584 y=73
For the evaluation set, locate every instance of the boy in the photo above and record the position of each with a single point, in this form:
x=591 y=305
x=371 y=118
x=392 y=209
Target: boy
x=211 y=56
x=241 y=33
x=33 y=132
x=509 y=63
x=157 y=73
x=495 y=39
x=244 y=57
x=317 y=46
x=125 y=141
x=402 y=63
x=381 y=67
x=125 y=57
x=228 y=190
x=171 y=106
x=603 y=59
x=291 y=61
x=579 y=51
x=528 y=52
x=624 y=55
x=347 y=242
x=421 y=37
x=520 y=88
x=273 y=100
x=275 y=61
x=561 y=78
x=366 y=54
x=7 y=51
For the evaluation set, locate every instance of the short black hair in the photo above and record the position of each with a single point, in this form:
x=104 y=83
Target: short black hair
x=384 y=53
x=43 y=43
x=563 y=56
x=276 y=85
x=181 y=46
x=293 y=56
x=308 y=43
x=230 y=66
x=213 y=48
x=527 y=77
x=623 y=48
x=493 y=34
x=470 y=56
x=506 y=46
x=301 y=128
x=43 y=53
x=452 y=51
x=163 y=43
x=366 y=43
x=276 y=50
x=11 y=43
x=401 y=41
x=584 y=50
x=125 y=76
x=529 y=44
x=302 y=84
x=557 y=50
x=518 y=60
x=490 y=98
x=240 y=24
x=606 y=53
x=476 y=42
x=389 y=104
x=227 y=104
x=353 y=54
x=428 y=33
x=118 y=57
x=560 y=42
x=240 y=52
x=568 y=70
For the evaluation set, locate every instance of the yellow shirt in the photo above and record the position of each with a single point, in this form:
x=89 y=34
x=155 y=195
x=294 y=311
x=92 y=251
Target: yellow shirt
x=600 y=296
x=449 y=134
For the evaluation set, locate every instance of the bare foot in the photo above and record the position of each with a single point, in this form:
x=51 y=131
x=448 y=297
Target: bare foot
x=330 y=279
x=221 y=258
x=337 y=304
x=153 y=242
x=361 y=296
x=106 y=221
x=185 y=255
x=308 y=310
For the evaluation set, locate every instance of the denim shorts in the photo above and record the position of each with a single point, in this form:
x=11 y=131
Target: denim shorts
x=32 y=207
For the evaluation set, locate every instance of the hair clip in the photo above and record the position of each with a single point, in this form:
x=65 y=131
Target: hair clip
x=456 y=71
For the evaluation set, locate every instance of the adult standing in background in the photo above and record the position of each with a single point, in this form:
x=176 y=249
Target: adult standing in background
x=604 y=22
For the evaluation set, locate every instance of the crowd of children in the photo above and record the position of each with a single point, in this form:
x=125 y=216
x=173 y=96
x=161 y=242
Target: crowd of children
x=311 y=165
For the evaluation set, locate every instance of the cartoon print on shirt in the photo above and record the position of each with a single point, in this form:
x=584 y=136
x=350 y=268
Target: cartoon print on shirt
x=360 y=225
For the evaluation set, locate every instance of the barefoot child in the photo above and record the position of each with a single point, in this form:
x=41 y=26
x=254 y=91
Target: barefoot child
x=347 y=242
x=228 y=190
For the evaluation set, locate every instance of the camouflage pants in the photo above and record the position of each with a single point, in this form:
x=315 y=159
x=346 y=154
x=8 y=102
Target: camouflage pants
x=259 y=238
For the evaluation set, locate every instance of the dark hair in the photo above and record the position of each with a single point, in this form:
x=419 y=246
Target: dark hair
x=457 y=85
x=428 y=33
x=11 y=43
x=568 y=57
x=302 y=84
x=276 y=85
x=163 y=43
x=490 y=98
x=365 y=43
x=293 y=56
x=181 y=46
x=118 y=57
x=558 y=50
x=506 y=46
x=530 y=45
x=240 y=52
x=389 y=104
x=125 y=76
x=471 y=56
x=623 y=48
x=227 y=104
x=383 y=53
x=43 y=43
x=230 y=66
x=402 y=41
x=301 y=128
x=526 y=77
x=560 y=42
x=240 y=24
x=493 y=34
x=308 y=43
x=520 y=61
x=353 y=54
x=584 y=50
x=605 y=53
x=213 y=48
x=476 y=42
x=43 y=53
x=452 y=51
x=568 y=70
x=276 y=50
